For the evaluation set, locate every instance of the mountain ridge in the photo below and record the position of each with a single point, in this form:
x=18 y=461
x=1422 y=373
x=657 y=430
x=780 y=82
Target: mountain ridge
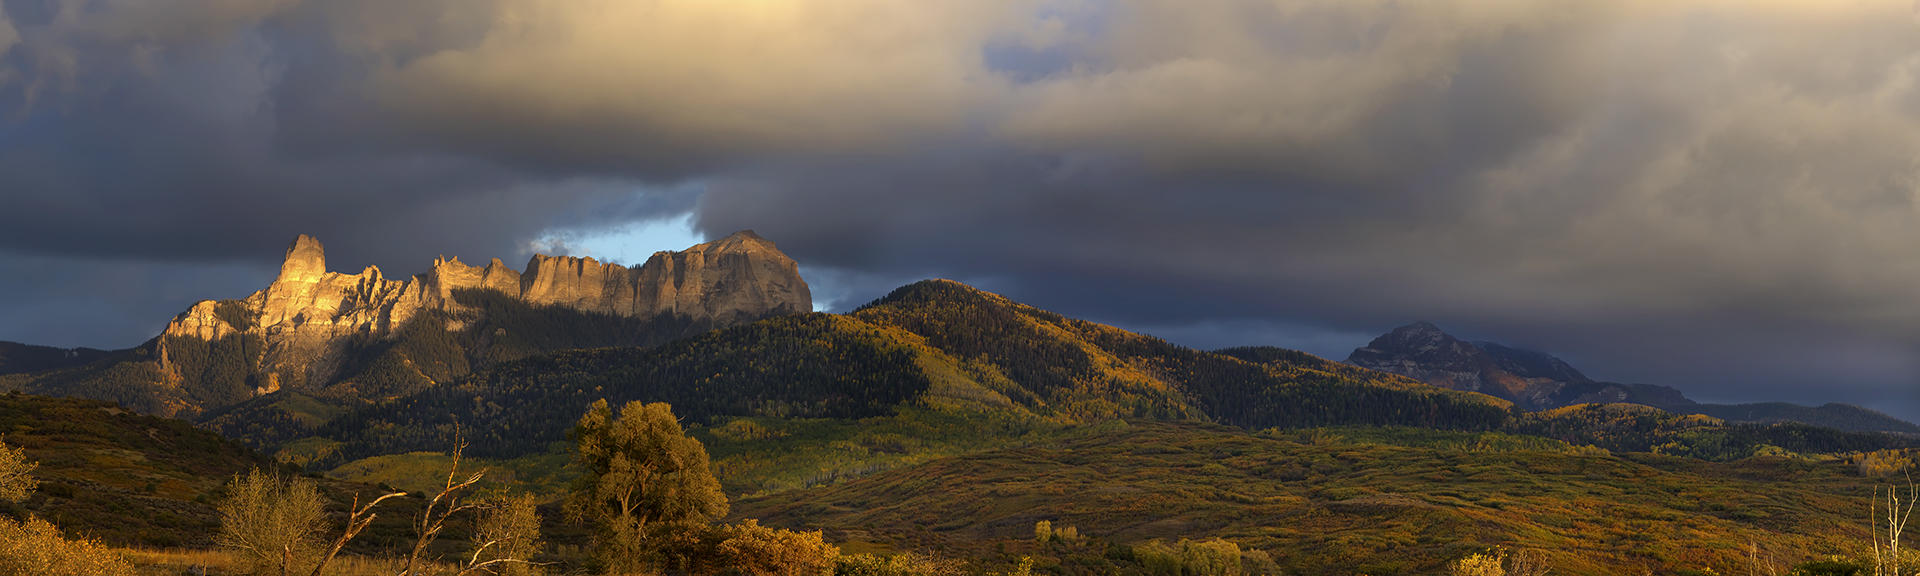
x=307 y=309
x=933 y=345
x=1540 y=381
x=17 y=357
x=361 y=336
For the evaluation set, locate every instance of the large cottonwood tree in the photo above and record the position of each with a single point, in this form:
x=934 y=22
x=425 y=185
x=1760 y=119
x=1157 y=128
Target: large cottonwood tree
x=642 y=479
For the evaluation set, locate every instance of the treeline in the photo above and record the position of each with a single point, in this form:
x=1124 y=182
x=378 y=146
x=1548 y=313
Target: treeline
x=126 y=377
x=492 y=329
x=1629 y=428
x=815 y=365
x=865 y=364
x=1063 y=361
x=1029 y=346
x=1299 y=390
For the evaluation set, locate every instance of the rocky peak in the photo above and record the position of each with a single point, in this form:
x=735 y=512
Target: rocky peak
x=729 y=279
x=1424 y=352
x=307 y=313
x=306 y=261
x=1421 y=342
x=744 y=240
x=1531 y=379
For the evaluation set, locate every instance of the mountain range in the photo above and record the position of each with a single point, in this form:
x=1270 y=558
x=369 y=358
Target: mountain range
x=355 y=338
x=721 y=330
x=1539 y=381
x=939 y=416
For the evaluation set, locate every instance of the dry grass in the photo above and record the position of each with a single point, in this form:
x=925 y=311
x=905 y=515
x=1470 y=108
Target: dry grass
x=181 y=562
x=184 y=561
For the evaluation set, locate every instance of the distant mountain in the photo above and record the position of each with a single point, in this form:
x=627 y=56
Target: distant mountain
x=1538 y=381
x=16 y=358
x=348 y=338
x=1839 y=416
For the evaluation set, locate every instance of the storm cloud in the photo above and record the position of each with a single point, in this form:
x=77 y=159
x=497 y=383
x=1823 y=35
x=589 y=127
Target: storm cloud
x=1721 y=196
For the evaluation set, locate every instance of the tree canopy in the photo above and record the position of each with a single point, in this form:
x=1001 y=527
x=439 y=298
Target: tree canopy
x=640 y=476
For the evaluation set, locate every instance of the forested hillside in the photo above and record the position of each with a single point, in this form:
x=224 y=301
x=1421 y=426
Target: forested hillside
x=935 y=344
x=935 y=369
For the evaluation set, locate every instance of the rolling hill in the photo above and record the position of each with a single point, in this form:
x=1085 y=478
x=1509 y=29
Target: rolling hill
x=1379 y=501
x=122 y=477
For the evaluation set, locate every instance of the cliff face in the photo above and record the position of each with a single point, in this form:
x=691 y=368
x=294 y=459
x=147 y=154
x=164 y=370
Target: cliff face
x=308 y=315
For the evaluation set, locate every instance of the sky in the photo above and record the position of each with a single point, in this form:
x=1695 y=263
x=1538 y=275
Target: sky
x=1718 y=195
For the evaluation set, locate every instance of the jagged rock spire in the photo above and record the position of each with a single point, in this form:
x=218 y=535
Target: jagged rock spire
x=306 y=260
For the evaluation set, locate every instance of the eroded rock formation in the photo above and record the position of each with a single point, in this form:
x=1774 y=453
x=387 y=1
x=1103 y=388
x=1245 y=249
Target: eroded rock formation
x=308 y=313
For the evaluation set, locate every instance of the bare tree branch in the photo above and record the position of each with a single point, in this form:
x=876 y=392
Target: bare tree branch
x=358 y=518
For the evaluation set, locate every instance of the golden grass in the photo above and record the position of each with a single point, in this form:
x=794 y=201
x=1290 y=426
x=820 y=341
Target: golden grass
x=216 y=562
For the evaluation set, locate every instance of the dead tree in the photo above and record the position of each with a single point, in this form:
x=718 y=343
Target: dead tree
x=1886 y=539
x=444 y=505
x=358 y=517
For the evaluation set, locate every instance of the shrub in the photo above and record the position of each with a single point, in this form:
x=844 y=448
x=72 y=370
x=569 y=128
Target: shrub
x=1883 y=463
x=1489 y=564
x=1044 y=531
x=509 y=528
x=274 y=522
x=1830 y=567
x=908 y=564
x=1213 y=557
x=35 y=547
x=749 y=549
x=1067 y=534
x=16 y=474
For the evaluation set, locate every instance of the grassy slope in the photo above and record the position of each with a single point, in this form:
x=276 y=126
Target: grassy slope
x=141 y=481
x=119 y=476
x=1374 y=501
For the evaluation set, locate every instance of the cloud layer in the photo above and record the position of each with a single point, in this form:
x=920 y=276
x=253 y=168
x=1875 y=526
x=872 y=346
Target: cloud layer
x=1714 y=194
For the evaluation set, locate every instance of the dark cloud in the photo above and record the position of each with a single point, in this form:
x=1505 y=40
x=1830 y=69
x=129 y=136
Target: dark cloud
x=1668 y=194
x=1712 y=194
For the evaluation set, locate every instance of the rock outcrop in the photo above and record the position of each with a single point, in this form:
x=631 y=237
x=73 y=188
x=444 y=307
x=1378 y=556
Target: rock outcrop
x=307 y=314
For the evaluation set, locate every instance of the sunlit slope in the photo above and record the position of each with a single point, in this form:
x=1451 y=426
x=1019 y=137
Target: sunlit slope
x=1081 y=369
x=933 y=345
x=122 y=477
x=1346 y=501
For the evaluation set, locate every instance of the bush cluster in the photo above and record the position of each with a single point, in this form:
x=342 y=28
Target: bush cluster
x=36 y=547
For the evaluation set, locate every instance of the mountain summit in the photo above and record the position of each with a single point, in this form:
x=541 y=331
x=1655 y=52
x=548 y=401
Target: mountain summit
x=1532 y=380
